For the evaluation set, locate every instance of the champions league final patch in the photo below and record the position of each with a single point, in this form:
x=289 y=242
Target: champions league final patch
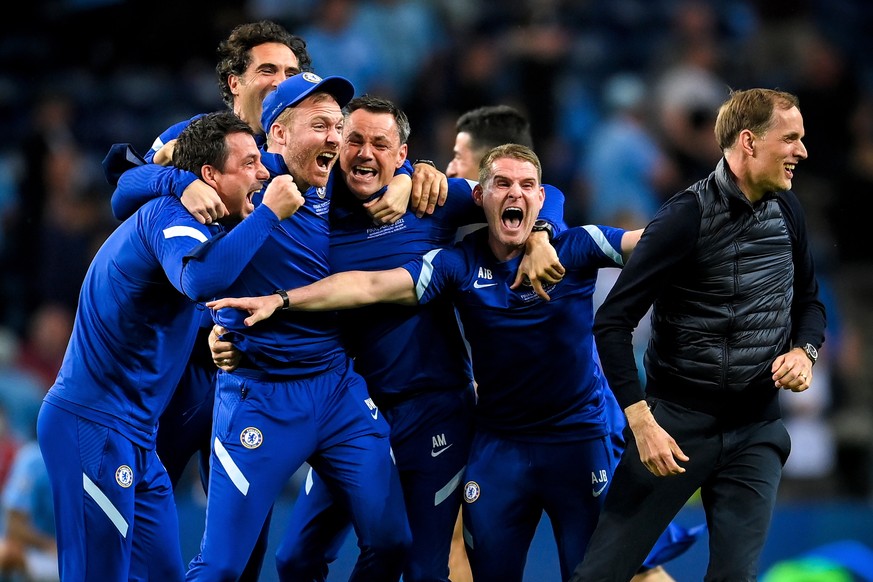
x=471 y=491
x=124 y=476
x=251 y=438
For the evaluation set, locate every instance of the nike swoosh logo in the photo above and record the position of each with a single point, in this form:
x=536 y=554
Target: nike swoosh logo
x=478 y=285
x=441 y=451
x=597 y=492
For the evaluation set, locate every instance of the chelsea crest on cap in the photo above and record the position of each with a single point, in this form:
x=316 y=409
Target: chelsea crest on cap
x=293 y=90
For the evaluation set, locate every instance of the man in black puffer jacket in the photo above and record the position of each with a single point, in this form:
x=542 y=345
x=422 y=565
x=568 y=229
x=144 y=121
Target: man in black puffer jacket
x=727 y=266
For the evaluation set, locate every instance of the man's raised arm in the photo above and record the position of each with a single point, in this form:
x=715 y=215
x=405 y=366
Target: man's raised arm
x=345 y=290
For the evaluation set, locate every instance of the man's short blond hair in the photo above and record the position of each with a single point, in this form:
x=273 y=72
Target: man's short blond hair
x=509 y=150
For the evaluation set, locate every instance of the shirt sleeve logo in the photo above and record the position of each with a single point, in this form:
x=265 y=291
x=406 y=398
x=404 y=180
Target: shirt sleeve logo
x=371 y=406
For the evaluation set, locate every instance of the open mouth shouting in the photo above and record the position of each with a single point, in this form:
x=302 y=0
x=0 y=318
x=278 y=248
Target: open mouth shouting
x=364 y=172
x=325 y=161
x=363 y=176
x=363 y=179
x=250 y=196
x=512 y=217
x=318 y=175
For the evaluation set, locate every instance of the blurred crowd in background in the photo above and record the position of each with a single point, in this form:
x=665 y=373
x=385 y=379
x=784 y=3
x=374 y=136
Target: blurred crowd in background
x=622 y=96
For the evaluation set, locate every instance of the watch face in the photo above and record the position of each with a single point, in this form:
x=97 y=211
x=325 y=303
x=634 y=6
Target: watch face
x=813 y=353
x=542 y=225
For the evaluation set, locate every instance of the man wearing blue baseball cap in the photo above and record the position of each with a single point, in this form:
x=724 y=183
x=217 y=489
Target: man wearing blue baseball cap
x=294 y=396
x=296 y=88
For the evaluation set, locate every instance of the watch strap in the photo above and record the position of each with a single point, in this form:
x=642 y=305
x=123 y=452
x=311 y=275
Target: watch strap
x=286 y=302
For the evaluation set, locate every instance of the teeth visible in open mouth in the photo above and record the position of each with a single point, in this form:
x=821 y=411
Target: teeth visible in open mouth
x=364 y=170
x=324 y=159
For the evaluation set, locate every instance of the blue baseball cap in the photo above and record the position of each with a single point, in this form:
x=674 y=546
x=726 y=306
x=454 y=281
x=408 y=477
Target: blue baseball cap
x=295 y=89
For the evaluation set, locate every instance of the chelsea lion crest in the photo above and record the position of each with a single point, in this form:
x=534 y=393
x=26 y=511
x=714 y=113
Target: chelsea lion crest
x=124 y=476
x=251 y=438
x=471 y=491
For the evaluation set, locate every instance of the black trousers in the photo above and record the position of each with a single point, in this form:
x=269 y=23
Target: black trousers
x=737 y=472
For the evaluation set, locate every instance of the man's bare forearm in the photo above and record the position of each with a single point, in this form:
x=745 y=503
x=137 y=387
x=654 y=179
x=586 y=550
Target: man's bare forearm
x=352 y=289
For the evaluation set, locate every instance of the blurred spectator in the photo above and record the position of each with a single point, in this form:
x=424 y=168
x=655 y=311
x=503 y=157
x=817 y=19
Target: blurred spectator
x=405 y=35
x=49 y=141
x=477 y=75
x=851 y=191
x=45 y=342
x=29 y=545
x=811 y=467
x=829 y=95
x=340 y=46
x=689 y=90
x=58 y=220
x=16 y=406
x=467 y=75
x=626 y=172
x=828 y=90
x=74 y=225
x=537 y=47
x=8 y=204
x=781 y=29
x=9 y=445
x=21 y=392
x=73 y=214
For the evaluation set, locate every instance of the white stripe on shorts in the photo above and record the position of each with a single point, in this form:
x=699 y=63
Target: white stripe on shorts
x=103 y=503
x=444 y=493
x=233 y=471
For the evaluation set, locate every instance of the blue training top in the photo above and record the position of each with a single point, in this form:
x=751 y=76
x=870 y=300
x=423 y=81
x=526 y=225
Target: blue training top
x=134 y=325
x=532 y=359
x=290 y=344
x=403 y=350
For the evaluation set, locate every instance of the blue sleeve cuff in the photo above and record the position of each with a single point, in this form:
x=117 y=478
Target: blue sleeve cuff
x=406 y=169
